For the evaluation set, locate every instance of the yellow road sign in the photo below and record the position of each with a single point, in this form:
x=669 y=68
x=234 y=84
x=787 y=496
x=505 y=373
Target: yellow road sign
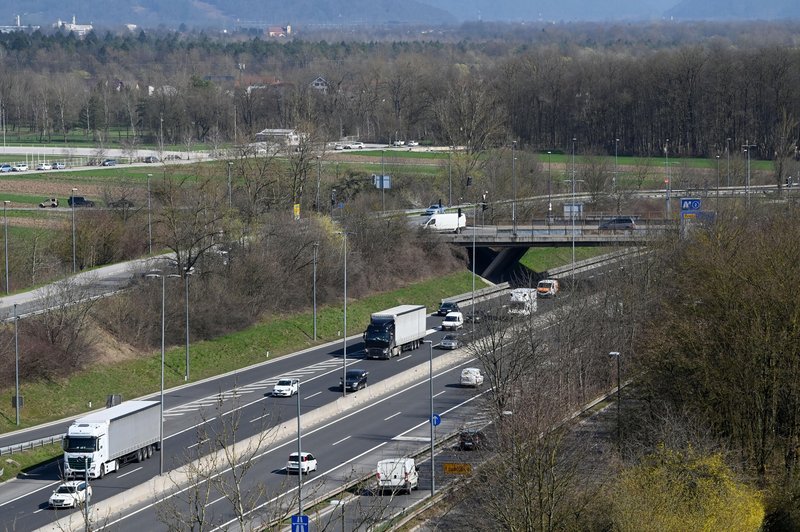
x=454 y=468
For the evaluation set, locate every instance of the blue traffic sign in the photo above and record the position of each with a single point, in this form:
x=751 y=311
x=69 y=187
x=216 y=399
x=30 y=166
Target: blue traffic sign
x=690 y=204
x=436 y=420
x=299 y=523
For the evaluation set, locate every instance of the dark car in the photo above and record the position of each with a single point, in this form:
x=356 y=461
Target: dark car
x=446 y=307
x=79 y=201
x=355 y=379
x=469 y=439
x=110 y=162
x=151 y=159
x=618 y=223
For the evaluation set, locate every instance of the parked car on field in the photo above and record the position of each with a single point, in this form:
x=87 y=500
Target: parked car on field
x=355 y=379
x=447 y=306
x=58 y=165
x=70 y=494
x=471 y=377
x=79 y=201
x=44 y=166
x=450 y=341
x=21 y=167
x=51 y=202
x=618 y=223
x=6 y=168
x=305 y=465
x=285 y=387
x=110 y=162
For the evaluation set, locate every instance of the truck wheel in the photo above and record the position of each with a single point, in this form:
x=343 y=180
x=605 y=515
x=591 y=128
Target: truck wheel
x=102 y=471
x=149 y=451
x=140 y=455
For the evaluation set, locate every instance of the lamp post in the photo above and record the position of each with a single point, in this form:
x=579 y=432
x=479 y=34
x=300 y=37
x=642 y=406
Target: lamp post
x=5 y=242
x=74 y=262
x=514 y=188
x=383 y=193
x=16 y=363
x=316 y=248
x=186 y=275
x=572 y=214
x=149 y=218
x=549 y=190
x=430 y=419
x=344 y=338
x=299 y=457
x=474 y=228
x=717 y=183
x=450 y=173
x=615 y=354
x=614 y=179
x=728 y=155
x=667 y=213
x=319 y=178
x=747 y=146
x=230 y=186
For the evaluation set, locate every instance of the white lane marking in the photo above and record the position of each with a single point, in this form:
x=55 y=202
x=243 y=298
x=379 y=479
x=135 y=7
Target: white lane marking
x=201 y=442
x=129 y=472
x=411 y=438
x=39 y=510
x=440 y=393
x=393 y=415
x=176 y=414
x=403 y=358
x=259 y=417
x=216 y=500
x=312 y=395
x=340 y=441
x=32 y=492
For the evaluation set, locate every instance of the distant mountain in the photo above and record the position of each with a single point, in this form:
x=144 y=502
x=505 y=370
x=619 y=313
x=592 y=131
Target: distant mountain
x=229 y=14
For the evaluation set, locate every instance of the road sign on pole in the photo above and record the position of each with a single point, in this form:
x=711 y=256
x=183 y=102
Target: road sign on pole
x=436 y=420
x=299 y=523
x=690 y=204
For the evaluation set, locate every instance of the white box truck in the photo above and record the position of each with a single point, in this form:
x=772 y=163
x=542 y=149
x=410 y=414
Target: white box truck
x=104 y=440
x=449 y=222
x=393 y=330
x=522 y=302
x=397 y=474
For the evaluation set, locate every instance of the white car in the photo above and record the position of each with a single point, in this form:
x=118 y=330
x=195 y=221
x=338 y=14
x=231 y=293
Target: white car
x=70 y=494
x=285 y=387
x=338 y=147
x=59 y=166
x=399 y=143
x=20 y=167
x=471 y=377
x=453 y=321
x=306 y=465
x=44 y=166
x=354 y=145
x=412 y=143
x=450 y=341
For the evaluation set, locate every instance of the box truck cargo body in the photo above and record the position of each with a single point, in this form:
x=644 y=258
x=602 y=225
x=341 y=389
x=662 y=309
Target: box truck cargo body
x=101 y=441
x=394 y=330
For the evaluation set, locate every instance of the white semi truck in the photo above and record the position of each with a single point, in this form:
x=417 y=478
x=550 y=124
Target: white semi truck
x=394 y=330
x=522 y=302
x=102 y=441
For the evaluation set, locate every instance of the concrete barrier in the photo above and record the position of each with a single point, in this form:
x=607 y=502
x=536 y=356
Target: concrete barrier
x=108 y=510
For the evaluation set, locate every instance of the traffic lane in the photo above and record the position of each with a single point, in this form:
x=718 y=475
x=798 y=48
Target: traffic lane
x=367 y=428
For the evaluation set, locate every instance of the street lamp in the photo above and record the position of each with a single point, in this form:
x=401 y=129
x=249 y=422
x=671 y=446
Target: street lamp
x=344 y=338
x=186 y=275
x=717 y=183
x=669 y=181
x=614 y=179
x=299 y=457
x=514 y=188
x=747 y=146
x=230 y=189
x=572 y=215
x=450 y=172
x=16 y=363
x=316 y=248
x=383 y=193
x=149 y=218
x=5 y=241
x=474 y=230
x=615 y=354
x=430 y=419
x=319 y=178
x=728 y=155
x=549 y=191
x=74 y=262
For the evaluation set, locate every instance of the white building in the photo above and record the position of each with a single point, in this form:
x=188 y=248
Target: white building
x=79 y=29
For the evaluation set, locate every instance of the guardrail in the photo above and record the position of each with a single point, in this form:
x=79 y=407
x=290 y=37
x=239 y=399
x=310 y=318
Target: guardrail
x=488 y=291
x=24 y=446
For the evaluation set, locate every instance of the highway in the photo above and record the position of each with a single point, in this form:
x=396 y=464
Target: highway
x=244 y=396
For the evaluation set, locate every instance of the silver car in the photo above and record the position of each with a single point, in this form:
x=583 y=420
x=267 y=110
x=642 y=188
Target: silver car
x=450 y=341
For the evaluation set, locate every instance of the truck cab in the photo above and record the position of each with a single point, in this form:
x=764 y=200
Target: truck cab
x=547 y=288
x=522 y=302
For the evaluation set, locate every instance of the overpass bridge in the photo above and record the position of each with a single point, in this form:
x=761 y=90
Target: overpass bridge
x=497 y=249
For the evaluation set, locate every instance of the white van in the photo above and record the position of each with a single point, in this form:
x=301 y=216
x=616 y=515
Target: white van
x=397 y=474
x=448 y=222
x=471 y=377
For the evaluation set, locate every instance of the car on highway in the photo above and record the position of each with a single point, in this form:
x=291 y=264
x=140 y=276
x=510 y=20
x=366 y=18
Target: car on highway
x=306 y=464
x=471 y=377
x=412 y=143
x=399 y=143
x=354 y=379
x=453 y=321
x=58 y=165
x=50 y=202
x=618 y=223
x=450 y=341
x=70 y=494
x=44 y=166
x=446 y=307
x=470 y=439
x=20 y=167
x=338 y=147
x=436 y=208
x=110 y=162
x=6 y=168
x=354 y=145
x=151 y=159
x=285 y=387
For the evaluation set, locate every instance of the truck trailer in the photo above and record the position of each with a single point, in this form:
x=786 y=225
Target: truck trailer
x=522 y=301
x=102 y=441
x=393 y=330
